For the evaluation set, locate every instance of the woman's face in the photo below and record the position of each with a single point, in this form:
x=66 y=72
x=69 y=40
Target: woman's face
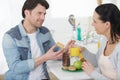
x=100 y=26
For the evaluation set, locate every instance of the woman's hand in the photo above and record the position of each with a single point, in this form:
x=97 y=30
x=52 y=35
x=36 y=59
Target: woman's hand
x=70 y=44
x=81 y=47
x=87 y=67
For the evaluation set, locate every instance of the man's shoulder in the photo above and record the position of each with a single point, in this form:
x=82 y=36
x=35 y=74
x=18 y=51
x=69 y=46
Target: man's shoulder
x=12 y=29
x=14 y=32
x=44 y=30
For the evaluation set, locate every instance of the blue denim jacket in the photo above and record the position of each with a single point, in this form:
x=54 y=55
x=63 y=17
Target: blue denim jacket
x=16 y=47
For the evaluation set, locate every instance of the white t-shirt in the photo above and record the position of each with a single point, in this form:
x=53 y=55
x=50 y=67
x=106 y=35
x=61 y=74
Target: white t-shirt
x=107 y=68
x=37 y=73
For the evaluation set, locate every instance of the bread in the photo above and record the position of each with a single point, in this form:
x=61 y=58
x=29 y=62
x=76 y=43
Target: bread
x=71 y=68
x=65 y=67
x=83 y=60
x=60 y=45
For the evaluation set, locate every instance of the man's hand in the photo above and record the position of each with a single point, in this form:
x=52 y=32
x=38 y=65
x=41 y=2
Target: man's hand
x=51 y=55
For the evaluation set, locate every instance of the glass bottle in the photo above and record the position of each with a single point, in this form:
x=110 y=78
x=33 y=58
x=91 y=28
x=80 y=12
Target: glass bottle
x=74 y=55
x=66 y=59
x=79 y=33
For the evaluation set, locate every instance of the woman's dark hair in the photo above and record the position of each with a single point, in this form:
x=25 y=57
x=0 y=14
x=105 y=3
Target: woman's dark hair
x=110 y=12
x=31 y=4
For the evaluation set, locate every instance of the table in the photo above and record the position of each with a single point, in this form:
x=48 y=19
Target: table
x=55 y=68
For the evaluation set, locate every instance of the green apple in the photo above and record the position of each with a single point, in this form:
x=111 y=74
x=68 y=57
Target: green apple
x=77 y=64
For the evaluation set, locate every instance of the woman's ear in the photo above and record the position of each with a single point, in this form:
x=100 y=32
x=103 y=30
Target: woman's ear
x=107 y=24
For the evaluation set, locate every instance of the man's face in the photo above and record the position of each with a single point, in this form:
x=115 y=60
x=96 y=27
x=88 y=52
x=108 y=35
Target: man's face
x=36 y=16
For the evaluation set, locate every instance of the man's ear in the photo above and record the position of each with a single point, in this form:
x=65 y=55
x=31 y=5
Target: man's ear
x=26 y=12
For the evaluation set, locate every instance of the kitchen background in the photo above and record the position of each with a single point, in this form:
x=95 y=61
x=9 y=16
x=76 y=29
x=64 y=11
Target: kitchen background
x=56 y=19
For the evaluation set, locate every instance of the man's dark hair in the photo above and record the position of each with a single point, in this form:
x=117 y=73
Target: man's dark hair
x=31 y=4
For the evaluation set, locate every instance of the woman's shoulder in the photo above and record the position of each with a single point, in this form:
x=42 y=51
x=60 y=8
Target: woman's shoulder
x=118 y=46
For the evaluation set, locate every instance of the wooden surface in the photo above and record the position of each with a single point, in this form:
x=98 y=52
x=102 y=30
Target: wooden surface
x=52 y=76
x=1 y=77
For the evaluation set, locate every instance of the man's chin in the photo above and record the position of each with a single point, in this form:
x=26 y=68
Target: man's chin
x=38 y=26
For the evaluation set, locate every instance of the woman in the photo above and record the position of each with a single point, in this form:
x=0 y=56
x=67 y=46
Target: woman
x=106 y=20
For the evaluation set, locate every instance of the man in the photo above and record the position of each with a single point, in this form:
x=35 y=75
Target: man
x=29 y=45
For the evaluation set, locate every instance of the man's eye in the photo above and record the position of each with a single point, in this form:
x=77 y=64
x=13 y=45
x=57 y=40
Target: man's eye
x=40 y=13
x=94 y=21
x=45 y=14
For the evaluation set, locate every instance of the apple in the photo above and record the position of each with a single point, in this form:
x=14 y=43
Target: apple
x=77 y=64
